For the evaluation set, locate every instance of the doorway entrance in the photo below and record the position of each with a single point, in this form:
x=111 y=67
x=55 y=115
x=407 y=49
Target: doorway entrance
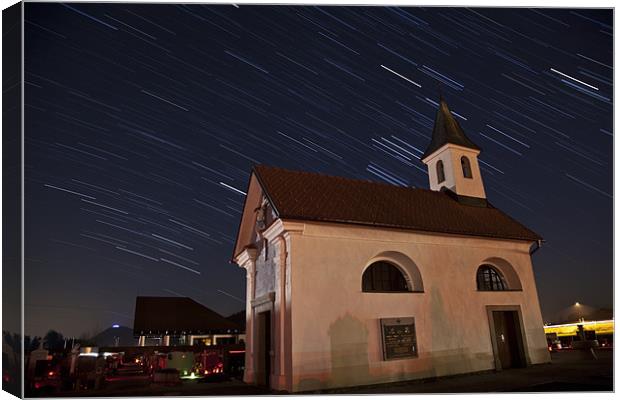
x=263 y=359
x=508 y=339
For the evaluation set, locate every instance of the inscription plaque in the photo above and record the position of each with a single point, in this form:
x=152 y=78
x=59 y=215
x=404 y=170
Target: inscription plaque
x=398 y=336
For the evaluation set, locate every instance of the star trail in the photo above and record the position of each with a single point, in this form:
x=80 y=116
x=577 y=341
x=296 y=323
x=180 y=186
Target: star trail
x=142 y=123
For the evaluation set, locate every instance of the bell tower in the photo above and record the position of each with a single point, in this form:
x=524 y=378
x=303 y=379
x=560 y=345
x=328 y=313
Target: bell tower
x=452 y=158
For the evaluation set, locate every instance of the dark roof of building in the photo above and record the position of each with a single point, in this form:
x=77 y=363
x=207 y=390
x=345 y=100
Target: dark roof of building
x=178 y=315
x=238 y=318
x=447 y=130
x=315 y=197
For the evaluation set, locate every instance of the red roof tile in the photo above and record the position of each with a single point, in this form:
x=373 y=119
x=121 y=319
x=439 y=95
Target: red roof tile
x=316 y=197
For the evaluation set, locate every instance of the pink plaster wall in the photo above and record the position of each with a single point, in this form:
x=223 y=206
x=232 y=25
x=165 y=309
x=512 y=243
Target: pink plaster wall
x=335 y=331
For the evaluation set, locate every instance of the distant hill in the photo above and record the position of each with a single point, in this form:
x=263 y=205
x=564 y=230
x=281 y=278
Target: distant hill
x=108 y=337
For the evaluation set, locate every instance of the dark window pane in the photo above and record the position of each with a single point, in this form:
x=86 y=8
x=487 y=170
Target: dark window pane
x=488 y=278
x=466 y=167
x=441 y=176
x=383 y=277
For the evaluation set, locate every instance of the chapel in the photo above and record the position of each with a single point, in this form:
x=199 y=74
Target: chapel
x=354 y=282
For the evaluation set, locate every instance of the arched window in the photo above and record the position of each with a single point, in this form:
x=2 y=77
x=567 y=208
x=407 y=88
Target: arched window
x=441 y=176
x=383 y=277
x=466 y=167
x=488 y=278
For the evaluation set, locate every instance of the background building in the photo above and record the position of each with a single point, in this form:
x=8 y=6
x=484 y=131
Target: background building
x=165 y=321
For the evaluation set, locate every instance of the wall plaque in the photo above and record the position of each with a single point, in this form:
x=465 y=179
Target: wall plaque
x=398 y=337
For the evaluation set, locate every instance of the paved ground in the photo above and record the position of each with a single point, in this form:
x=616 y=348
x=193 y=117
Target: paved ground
x=568 y=371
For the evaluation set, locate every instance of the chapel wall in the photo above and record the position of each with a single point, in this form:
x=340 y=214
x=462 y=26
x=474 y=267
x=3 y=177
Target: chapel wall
x=336 y=336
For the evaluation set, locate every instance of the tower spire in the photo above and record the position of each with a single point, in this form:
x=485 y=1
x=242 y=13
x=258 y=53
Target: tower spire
x=447 y=130
x=452 y=158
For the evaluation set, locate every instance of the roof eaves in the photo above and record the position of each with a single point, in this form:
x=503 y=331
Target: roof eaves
x=247 y=189
x=538 y=237
x=535 y=236
x=265 y=191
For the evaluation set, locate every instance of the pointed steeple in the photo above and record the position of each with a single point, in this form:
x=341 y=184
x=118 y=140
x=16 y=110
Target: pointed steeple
x=447 y=130
x=452 y=159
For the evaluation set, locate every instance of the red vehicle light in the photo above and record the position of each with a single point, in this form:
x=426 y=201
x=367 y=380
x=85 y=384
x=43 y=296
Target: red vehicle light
x=51 y=373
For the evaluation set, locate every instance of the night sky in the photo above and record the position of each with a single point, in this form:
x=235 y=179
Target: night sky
x=142 y=123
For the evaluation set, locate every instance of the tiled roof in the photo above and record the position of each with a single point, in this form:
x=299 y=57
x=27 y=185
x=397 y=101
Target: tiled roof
x=447 y=130
x=315 y=197
x=158 y=315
